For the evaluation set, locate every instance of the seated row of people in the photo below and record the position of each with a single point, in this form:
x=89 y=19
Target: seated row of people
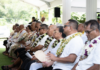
x=64 y=47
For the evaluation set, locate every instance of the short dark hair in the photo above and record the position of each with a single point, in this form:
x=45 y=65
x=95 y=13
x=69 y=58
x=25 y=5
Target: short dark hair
x=16 y=24
x=61 y=30
x=38 y=22
x=93 y=24
x=73 y=23
x=33 y=17
x=44 y=26
x=29 y=26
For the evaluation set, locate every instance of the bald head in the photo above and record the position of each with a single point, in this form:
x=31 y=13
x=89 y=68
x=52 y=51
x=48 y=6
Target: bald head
x=43 y=19
x=21 y=27
x=53 y=27
x=51 y=30
x=81 y=27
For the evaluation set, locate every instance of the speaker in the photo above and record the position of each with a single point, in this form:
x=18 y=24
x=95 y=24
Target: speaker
x=56 y=12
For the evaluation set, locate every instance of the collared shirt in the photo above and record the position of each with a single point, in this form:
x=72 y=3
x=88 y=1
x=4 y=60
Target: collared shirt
x=42 y=41
x=93 y=58
x=53 y=50
x=73 y=47
x=12 y=37
x=49 y=47
x=20 y=35
x=84 y=37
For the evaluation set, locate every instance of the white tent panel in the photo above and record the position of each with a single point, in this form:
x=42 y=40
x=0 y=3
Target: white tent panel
x=76 y=5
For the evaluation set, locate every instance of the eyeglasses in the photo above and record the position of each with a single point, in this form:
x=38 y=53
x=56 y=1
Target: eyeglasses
x=40 y=29
x=88 y=32
x=66 y=25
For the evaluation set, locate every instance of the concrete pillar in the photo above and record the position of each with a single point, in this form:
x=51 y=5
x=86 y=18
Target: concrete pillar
x=39 y=14
x=66 y=10
x=91 y=9
x=49 y=17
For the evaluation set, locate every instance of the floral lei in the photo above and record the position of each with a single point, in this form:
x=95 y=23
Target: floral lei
x=16 y=36
x=21 y=30
x=66 y=41
x=36 y=36
x=89 y=47
x=47 y=42
x=36 y=42
x=23 y=37
x=55 y=43
x=31 y=35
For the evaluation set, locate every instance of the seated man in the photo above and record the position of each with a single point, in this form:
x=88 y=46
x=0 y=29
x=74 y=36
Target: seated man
x=49 y=41
x=35 y=28
x=68 y=53
x=22 y=34
x=39 y=42
x=10 y=39
x=58 y=35
x=17 y=61
x=90 y=57
x=81 y=28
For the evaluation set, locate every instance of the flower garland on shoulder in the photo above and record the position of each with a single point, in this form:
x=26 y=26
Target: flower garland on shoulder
x=66 y=41
x=35 y=36
x=22 y=30
x=47 y=42
x=16 y=36
x=36 y=42
x=33 y=33
x=23 y=37
x=55 y=43
x=89 y=47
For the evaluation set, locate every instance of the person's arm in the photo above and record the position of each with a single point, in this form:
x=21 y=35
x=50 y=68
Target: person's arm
x=34 y=58
x=94 y=67
x=71 y=58
x=36 y=48
x=74 y=68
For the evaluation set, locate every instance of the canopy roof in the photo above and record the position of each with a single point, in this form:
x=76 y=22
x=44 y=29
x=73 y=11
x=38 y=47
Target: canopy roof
x=76 y=5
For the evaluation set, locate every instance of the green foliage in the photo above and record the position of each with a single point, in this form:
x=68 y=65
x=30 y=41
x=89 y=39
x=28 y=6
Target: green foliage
x=44 y=13
x=16 y=11
x=4 y=60
x=79 y=18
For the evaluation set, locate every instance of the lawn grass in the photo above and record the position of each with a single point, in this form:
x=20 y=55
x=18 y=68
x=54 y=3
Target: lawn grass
x=4 y=60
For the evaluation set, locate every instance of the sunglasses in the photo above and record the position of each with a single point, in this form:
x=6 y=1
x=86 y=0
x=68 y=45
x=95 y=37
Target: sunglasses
x=66 y=26
x=88 y=32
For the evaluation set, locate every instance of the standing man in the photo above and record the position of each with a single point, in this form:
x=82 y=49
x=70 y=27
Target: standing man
x=33 y=19
x=42 y=19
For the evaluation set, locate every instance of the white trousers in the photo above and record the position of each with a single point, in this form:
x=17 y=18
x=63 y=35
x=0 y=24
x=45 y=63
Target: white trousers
x=35 y=66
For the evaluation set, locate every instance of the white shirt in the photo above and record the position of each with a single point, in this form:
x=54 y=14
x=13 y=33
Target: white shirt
x=53 y=50
x=84 y=37
x=49 y=47
x=11 y=37
x=73 y=47
x=93 y=58
x=42 y=41
x=21 y=35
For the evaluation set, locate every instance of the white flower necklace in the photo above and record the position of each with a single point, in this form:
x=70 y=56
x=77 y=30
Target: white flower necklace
x=89 y=47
